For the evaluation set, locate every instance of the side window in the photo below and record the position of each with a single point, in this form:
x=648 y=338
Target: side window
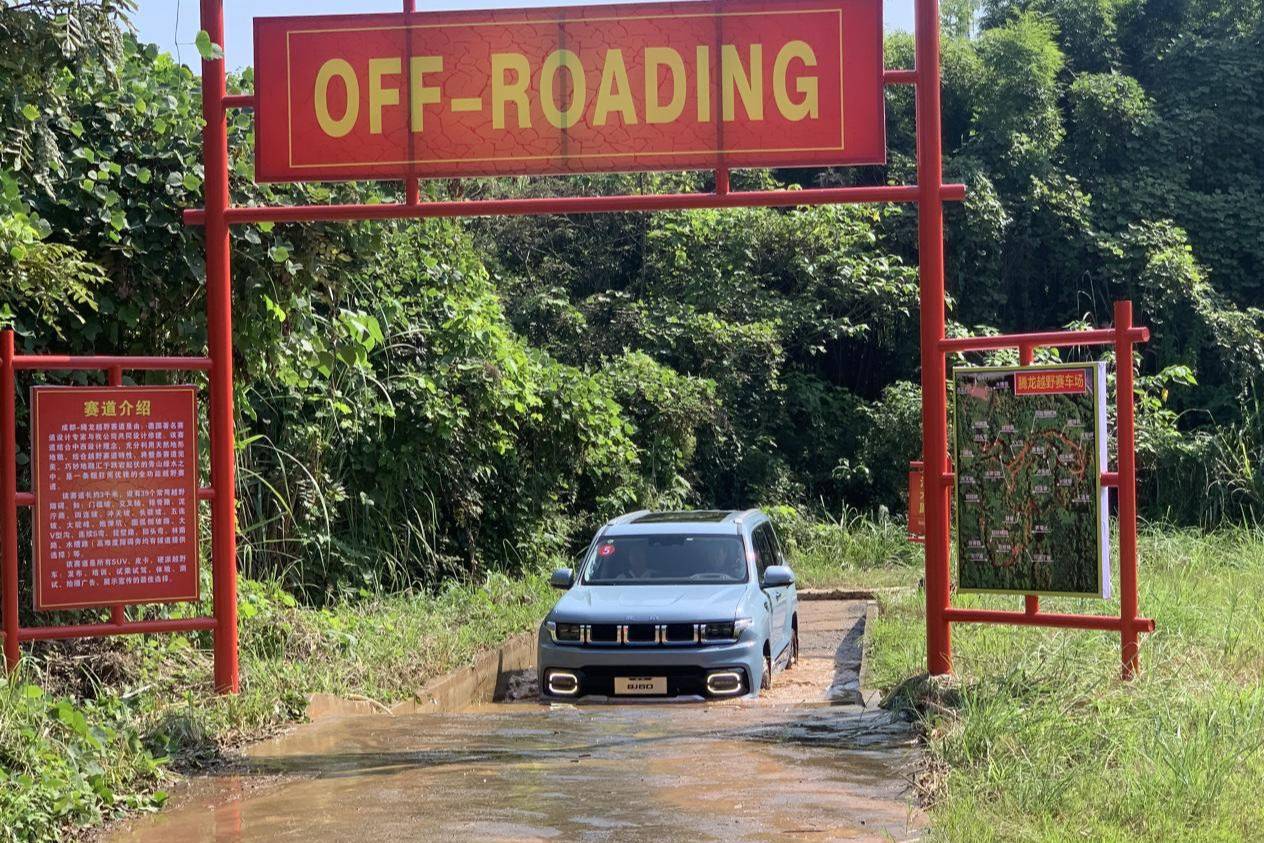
x=764 y=554
x=778 y=555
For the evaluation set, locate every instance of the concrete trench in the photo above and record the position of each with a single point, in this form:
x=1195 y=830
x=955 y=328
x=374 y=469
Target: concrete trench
x=806 y=761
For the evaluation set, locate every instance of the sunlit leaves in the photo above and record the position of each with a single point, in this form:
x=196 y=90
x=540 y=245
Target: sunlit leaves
x=207 y=49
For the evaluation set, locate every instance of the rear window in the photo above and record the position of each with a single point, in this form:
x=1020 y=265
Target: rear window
x=667 y=558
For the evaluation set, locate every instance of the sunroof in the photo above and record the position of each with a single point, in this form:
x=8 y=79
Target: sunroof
x=697 y=516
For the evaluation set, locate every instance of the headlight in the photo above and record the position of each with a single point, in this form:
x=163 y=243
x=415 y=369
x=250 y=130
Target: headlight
x=567 y=633
x=719 y=631
x=728 y=631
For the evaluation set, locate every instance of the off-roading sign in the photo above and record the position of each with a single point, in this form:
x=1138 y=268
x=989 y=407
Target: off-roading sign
x=1032 y=513
x=745 y=83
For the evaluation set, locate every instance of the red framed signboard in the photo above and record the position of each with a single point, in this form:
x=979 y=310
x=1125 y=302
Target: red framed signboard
x=743 y=83
x=115 y=482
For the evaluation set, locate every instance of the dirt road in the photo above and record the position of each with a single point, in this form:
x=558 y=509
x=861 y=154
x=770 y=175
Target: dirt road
x=788 y=766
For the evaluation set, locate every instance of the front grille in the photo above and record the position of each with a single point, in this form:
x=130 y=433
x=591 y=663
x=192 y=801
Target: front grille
x=680 y=633
x=647 y=634
x=603 y=633
x=641 y=633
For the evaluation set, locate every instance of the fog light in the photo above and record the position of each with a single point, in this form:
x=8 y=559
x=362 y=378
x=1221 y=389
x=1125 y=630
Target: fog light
x=563 y=683
x=724 y=682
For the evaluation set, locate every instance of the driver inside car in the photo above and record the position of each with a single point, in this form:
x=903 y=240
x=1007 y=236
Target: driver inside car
x=638 y=567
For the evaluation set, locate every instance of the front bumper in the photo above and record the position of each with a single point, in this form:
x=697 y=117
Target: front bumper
x=686 y=668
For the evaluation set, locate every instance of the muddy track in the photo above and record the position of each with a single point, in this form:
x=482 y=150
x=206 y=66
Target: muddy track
x=793 y=764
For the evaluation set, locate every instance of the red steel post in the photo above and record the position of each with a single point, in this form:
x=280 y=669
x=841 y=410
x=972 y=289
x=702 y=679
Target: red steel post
x=9 y=498
x=930 y=228
x=219 y=329
x=412 y=190
x=1027 y=354
x=118 y=614
x=1125 y=439
x=858 y=194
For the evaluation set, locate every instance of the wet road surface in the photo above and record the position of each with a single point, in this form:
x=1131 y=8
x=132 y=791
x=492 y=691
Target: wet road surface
x=769 y=769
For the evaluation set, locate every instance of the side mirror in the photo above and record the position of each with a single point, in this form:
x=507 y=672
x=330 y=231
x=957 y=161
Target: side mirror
x=562 y=578
x=778 y=576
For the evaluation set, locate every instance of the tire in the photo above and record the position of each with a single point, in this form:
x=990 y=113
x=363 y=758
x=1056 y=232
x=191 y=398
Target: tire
x=794 y=649
x=765 y=683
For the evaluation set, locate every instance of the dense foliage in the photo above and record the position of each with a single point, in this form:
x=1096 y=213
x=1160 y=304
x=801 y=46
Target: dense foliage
x=418 y=400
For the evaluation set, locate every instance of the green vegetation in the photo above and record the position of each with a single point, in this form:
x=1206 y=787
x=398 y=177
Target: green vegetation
x=424 y=401
x=1040 y=740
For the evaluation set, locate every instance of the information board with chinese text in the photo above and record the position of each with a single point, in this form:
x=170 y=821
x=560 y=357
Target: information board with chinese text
x=115 y=478
x=1031 y=509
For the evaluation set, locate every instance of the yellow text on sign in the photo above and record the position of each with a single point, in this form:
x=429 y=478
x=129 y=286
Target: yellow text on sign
x=744 y=87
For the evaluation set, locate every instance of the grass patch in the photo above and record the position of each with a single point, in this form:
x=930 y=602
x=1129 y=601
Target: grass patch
x=1041 y=740
x=851 y=552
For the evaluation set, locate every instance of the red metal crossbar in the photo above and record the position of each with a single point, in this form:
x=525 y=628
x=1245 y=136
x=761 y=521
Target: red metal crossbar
x=11 y=498
x=239 y=215
x=940 y=613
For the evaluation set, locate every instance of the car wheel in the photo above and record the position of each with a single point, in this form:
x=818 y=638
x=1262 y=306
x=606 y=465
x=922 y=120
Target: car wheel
x=765 y=684
x=794 y=649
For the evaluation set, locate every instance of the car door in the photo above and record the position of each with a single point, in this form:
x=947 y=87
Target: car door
x=766 y=555
x=790 y=604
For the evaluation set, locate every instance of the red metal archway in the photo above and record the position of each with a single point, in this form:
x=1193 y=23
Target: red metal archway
x=929 y=193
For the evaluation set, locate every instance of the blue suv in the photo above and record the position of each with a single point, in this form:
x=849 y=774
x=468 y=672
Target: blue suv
x=668 y=604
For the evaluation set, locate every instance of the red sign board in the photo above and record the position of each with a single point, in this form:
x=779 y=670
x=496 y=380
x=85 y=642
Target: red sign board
x=1041 y=381
x=742 y=83
x=115 y=478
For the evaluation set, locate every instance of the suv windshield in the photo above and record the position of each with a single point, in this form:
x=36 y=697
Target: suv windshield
x=667 y=558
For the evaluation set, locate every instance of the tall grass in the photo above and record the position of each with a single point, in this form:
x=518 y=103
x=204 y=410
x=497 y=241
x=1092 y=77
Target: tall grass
x=1043 y=741
x=852 y=550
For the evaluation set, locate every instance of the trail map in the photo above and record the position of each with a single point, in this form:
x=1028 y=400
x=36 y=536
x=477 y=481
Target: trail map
x=1031 y=511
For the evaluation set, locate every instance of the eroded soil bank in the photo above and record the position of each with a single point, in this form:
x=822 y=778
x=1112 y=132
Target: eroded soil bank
x=786 y=766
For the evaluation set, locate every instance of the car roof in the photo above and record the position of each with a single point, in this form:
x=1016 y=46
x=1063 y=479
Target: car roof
x=645 y=521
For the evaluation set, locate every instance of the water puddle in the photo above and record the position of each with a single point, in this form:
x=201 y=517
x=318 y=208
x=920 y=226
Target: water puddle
x=587 y=773
x=741 y=770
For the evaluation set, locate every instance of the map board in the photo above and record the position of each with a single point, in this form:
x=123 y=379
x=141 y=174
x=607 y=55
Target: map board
x=115 y=477
x=1031 y=509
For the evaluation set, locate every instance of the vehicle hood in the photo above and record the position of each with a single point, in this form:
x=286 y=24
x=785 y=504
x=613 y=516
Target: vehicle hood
x=650 y=603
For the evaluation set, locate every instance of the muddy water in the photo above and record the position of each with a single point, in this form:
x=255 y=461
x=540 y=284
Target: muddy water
x=735 y=771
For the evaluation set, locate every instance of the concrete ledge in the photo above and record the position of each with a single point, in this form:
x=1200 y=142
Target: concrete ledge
x=484 y=681
x=869 y=698
x=849 y=593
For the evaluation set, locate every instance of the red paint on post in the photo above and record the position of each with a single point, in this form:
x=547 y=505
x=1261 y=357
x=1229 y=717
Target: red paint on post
x=607 y=88
x=9 y=499
x=219 y=325
x=930 y=229
x=115 y=477
x=1128 y=600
